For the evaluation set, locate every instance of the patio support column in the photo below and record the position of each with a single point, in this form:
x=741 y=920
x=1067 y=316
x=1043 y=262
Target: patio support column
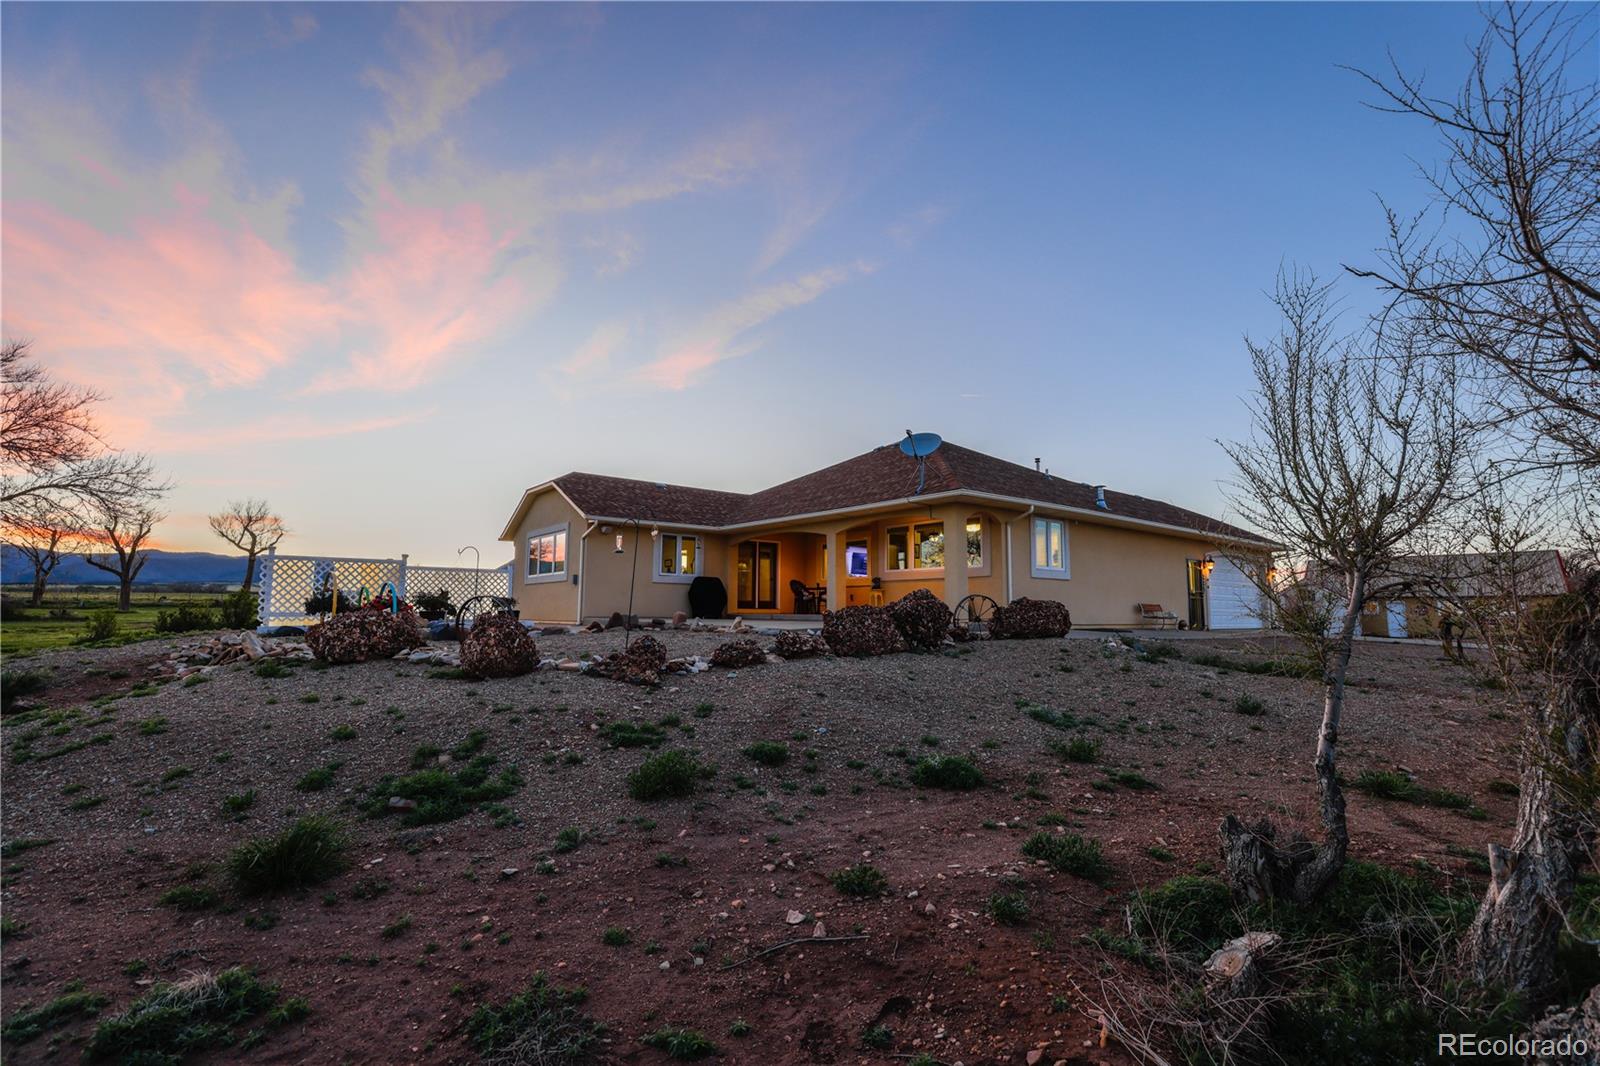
x=955 y=554
x=838 y=570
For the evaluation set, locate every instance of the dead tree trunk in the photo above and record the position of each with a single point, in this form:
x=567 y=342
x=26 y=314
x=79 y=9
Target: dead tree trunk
x=1512 y=941
x=1255 y=865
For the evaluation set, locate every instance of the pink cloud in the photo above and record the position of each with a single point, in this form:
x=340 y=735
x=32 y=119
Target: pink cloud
x=223 y=304
x=439 y=279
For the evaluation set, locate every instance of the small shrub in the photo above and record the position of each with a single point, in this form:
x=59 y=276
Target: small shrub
x=307 y=853
x=315 y=780
x=568 y=840
x=670 y=775
x=102 y=625
x=616 y=937
x=185 y=618
x=798 y=644
x=239 y=610
x=1008 y=908
x=172 y=1021
x=1068 y=853
x=542 y=1024
x=239 y=802
x=860 y=880
x=1078 y=749
x=1247 y=704
x=442 y=794
x=633 y=735
x=684 y=1044
x=17 y=684
x=342 y=732
x=1132 y=779
x=188 y=898
x=768 y=752
x=1393 y=785
x=878 y=1037
x=31 y=1022
x=956 y=773
x=639 y=664
x=396 y=928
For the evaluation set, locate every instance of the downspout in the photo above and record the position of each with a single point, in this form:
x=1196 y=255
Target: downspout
x=583 y=553
x=1011 y=548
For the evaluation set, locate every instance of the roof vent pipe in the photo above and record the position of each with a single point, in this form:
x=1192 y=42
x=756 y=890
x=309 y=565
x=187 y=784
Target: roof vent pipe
x=1100 y=498
x=1036 y=464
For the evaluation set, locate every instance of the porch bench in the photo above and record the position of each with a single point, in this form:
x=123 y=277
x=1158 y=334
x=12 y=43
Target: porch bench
x=1154 y=612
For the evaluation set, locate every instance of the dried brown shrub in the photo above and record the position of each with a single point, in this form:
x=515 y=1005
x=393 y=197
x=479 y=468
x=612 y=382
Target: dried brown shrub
x=922 y=619
x=368 y=633
x=861 y=630
x=737 y=653
x=1022 y=619
x=498 y=645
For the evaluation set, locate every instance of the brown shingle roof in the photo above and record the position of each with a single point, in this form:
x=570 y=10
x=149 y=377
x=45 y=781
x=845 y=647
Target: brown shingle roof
x=883 y=475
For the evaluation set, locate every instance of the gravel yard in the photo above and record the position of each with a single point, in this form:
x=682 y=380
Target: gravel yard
x=394 y=954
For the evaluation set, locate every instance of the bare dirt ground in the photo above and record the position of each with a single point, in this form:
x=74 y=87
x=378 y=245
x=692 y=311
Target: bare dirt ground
x=699 y=884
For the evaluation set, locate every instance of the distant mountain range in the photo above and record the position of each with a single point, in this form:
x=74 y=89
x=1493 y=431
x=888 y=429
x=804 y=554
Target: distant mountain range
x=162 y=568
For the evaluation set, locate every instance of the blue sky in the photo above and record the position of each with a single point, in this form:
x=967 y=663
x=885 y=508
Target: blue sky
x=387 y=267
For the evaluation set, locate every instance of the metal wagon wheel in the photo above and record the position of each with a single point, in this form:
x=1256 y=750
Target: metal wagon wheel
x=479 y=606
x=976 y=613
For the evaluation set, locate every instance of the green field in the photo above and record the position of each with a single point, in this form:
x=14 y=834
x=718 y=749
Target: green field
x=65 y=614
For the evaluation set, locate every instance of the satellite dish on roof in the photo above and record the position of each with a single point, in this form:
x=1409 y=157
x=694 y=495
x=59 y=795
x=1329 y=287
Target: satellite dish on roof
x=919 y=446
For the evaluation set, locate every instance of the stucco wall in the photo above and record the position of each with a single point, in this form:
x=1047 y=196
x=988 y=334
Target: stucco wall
x=1113 y=568
x=548 y=600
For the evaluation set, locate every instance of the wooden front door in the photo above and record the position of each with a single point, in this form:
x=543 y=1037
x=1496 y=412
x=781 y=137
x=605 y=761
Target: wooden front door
x=757 y=576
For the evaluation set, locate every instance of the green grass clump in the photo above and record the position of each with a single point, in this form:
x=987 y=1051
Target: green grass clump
x=31 y=1022
x=1008 y=908
x=683 y=1044
x=315 y=780
x=443 y=794
x=272 y=668
x=17 y=684
x=542 y=1018
x=1247 y=704
x=670 y=775
x=12 y=848
x=150 y=727
x=307 y=853
x=171 y=1021
x=1393 y=785
x=568 y=839
x=768 y=752
x=957 y=773
x=1132 y=779
x=239 y=802
x=1301 y=668
x=616 y=937
x=861 y=880
x=342 y=732
x=633 y=735
x=1078 y=749
x=1068 y=853
x=189 y=898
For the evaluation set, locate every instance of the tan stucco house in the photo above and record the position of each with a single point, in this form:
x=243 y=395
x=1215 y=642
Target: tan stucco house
x=860 y=531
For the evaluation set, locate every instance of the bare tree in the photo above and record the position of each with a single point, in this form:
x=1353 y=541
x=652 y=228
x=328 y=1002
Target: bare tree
x=43 y=535
x=124 y=528
x=51 y=451
x=250 y=526
x=1355 y=448
x=1517 y=291
x=1514 y=298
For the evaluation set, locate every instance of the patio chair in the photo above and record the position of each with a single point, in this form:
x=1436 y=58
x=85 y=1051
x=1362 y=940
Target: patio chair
x=805 y=600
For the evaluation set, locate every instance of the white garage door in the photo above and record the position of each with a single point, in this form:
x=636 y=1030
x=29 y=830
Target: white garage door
x=1232 y=601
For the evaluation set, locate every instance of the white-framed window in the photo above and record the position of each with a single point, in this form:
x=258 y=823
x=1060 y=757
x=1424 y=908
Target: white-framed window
x=677 y=557
x=547 y=555
x=1051 y=556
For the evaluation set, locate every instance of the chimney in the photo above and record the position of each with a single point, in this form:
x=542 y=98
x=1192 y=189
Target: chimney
x=1100 y=498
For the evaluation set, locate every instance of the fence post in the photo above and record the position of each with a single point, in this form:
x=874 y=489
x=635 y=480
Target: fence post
x=401 y=584
x=263 y=590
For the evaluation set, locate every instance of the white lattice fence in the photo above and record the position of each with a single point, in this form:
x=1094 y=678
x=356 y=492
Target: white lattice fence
x=461 y=582
x=286 y=582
